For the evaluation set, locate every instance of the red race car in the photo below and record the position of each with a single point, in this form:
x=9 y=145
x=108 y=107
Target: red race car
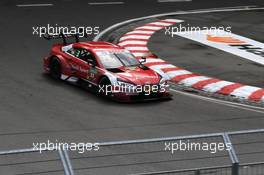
x=108 y=68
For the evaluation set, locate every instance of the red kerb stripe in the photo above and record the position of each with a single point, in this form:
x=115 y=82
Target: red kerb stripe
x=257 y=95
x=140 y=29
x=229 y=88
x=135 y=45
x=171 y=69
x=141 y=34
x=139 y=51
x=182 y=77
x=199 y=85
x=156 y=63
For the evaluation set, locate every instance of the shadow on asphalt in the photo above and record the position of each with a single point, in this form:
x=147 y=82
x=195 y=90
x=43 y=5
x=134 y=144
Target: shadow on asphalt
x=84 y=91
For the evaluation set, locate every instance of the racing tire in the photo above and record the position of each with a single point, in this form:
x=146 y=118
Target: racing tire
x=55 y=68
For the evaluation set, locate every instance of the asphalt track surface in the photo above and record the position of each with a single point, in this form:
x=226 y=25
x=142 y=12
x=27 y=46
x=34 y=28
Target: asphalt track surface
x=34 y=108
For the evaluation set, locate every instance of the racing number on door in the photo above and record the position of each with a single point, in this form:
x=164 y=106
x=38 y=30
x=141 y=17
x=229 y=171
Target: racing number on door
x=91 y=73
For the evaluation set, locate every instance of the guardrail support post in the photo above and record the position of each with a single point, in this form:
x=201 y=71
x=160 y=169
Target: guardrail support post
x=235 y=169
x=67 y=158
x=197 y=172
x=232 y=154
x=65 y=161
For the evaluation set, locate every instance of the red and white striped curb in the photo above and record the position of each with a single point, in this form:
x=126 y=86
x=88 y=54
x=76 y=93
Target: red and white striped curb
x=136 y=42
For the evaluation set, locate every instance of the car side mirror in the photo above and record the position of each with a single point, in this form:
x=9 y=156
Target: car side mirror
x=142 y=60
x=91 y=62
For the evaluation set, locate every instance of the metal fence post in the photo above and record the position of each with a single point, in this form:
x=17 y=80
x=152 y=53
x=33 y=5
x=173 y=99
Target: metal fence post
x=235 y=169
x=232 y=154
x=65 y=161
x=65 y=168
x=197 y=172
x=67 y=158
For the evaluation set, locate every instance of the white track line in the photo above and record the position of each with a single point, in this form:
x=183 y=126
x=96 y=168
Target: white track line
x=34 y=5
x=106 y=3
x=161 y=1
x=200 y=11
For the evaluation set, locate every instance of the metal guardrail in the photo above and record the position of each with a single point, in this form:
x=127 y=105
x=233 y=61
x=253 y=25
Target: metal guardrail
x=217 y=170
x=63 y=154
x=66 y=162
x=233 y=169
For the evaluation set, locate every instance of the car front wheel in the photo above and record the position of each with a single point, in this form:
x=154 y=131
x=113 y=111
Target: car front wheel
x=105 y=87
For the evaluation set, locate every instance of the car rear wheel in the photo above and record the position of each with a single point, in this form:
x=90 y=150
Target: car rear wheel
x=55 y=68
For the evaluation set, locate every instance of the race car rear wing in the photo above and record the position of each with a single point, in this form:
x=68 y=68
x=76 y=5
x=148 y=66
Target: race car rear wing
x=61 y=36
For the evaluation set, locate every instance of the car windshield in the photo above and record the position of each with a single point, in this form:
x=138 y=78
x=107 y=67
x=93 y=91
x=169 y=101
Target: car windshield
x=115 y=59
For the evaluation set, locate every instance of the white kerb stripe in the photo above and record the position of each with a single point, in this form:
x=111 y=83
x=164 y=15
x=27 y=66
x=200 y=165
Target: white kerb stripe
x=192 y=80
x=141 y=32
x=132 y=42
x=214 y=87
x=244 y=91
x=134 y=37
x=137 y=48
x=161 y=66
x=150 y=27
x=139 y=54
x=175 y=73
x=154 y=60
x=161 y=23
